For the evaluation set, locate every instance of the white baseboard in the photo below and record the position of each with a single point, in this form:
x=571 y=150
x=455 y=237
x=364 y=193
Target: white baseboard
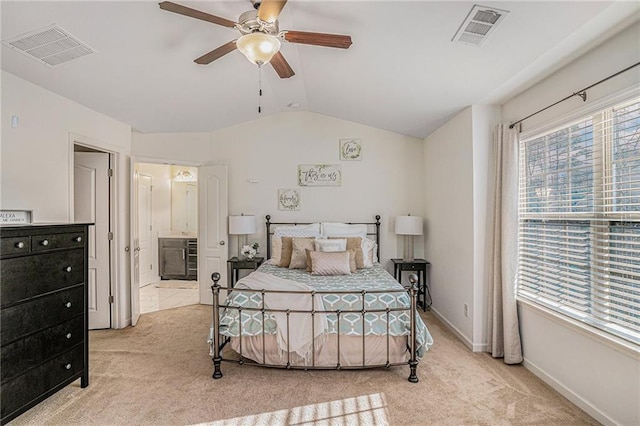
x=585 y=405
x=468 y=343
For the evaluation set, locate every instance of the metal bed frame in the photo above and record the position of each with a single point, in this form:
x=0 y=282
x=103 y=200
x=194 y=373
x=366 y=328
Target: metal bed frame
x=219 y=342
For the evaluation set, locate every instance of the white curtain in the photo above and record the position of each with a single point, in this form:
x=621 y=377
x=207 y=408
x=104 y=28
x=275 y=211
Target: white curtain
x=503 y=328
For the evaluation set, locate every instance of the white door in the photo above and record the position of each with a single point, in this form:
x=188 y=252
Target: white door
x=212 y=228
x=144 y=229
x=135 y=248
x=91 y=204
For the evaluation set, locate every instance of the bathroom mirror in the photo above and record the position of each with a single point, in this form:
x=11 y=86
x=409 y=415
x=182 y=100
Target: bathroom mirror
x=184 y=207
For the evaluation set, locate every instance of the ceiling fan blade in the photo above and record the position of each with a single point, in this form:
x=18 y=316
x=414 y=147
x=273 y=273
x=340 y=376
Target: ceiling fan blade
x=187 y=11
x=207 y=58
x=280 y=64
x=269 y=10
x=318 y=39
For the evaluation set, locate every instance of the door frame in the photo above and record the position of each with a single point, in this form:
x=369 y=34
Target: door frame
x=74 y=139
x=135 y=159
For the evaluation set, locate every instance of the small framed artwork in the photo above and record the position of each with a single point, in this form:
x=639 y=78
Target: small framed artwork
x=289 y=199
x=319 y=175
x=350 y=149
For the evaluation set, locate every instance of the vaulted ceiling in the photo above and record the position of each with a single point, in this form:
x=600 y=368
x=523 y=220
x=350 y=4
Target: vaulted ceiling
x=403 y=72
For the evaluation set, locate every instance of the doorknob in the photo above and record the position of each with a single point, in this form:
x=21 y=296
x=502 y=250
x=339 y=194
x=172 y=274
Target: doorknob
x=222 y=242
x=137 y=249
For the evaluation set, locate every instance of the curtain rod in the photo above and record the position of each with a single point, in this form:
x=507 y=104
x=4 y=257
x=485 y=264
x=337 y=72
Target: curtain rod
x=582 y=93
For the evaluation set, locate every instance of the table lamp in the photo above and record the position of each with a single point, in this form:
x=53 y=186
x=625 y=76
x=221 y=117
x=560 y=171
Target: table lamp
x=408 y=226
x=242 y=226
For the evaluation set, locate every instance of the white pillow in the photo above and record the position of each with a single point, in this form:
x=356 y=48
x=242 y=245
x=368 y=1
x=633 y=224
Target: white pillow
x=327 y=245
x=333 y=229
x=311 y=230
x=369 y=253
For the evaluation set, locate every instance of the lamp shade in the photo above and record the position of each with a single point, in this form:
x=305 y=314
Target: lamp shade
x=409 y=225
x=242 y=225
x=258 y=47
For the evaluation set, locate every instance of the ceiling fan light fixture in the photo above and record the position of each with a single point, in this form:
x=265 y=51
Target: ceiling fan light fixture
x=258 y=47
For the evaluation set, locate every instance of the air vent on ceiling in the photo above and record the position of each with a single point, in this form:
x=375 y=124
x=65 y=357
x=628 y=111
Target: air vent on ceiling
x=50 y=45
x=479 y=24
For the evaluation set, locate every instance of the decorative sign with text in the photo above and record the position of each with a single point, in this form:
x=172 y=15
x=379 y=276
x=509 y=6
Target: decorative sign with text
x=289 y=199
x=350 y=149
x=14 y=217
x=319 y=175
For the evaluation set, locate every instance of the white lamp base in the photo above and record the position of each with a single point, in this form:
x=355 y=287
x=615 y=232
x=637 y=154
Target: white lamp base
x=407 y=256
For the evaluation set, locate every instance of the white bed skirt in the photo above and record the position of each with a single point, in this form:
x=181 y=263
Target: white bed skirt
x=326 y=355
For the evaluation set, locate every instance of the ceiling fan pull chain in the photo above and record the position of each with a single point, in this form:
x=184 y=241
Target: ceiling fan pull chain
x=259 y=88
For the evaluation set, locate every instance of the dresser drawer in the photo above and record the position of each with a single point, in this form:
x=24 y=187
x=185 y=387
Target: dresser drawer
x=31 y=351
x=37 y=314
x=28 y=276
x=57 y=241
x=20 y=391
x=15 y=245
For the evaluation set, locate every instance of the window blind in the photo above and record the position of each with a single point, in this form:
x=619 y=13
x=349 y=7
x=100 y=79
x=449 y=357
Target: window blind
x=579 y=220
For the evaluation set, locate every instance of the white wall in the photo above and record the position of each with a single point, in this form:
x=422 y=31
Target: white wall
x=387 y=181
x=449 y=213
x=37 y=162
x=458 y=191
x=602 y=380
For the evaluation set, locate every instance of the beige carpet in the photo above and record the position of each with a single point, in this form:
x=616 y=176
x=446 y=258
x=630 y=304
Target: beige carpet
x=160 y=373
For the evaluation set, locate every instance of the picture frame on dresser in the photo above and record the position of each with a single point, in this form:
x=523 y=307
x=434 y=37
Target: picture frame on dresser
x=44 y=325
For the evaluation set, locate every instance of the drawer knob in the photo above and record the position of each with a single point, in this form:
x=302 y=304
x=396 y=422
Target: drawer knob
x=68 y=304
x=20 y=245
x=68 y=269
x=68 y=366
x=78 y=239
x=68 y=336
x=45 y=242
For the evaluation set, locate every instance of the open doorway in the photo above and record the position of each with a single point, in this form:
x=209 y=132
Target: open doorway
x=167 y=227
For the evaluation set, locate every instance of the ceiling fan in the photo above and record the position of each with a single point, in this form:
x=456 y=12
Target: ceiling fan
x=260 y=40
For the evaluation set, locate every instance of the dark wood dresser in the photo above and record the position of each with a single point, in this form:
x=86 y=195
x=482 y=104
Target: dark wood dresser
x=43 y=313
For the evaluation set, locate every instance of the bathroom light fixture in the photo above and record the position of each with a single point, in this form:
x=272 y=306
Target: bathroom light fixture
x=258 y=47
x=184 y=176
x=408 y=226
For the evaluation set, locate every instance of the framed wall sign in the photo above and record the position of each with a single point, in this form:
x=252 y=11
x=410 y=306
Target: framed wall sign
x=289 y=199
x=319 y=175
x=9 y=217
x=350 y=149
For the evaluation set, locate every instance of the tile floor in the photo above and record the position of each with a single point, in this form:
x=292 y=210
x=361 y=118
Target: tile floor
x=155 y=299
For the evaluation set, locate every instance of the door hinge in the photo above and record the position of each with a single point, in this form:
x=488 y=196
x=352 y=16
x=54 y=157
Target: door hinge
x=151 y=267
x=110 y=299
x=110 y=236
x=110 y=172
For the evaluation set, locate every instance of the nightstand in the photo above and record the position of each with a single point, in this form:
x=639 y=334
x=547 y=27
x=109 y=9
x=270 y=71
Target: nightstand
x=236 y=264
x=421 y=268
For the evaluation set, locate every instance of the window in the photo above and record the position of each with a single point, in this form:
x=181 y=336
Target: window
x=579 y=220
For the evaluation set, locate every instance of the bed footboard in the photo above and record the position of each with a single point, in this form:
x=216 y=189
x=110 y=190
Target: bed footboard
x=218 y=344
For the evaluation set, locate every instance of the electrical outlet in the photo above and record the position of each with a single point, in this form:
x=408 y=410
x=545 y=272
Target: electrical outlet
x=466 y=310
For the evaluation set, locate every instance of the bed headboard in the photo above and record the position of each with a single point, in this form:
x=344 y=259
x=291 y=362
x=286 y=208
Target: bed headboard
x=374 y=226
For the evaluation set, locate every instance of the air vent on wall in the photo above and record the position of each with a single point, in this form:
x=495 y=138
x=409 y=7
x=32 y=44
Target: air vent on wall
x=479 y=24
x=50 y=45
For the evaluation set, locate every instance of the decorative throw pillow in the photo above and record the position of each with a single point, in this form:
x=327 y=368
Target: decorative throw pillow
x=276 y=249
x=285 y=252
x=298 y=252
x=352 y=260
x=355 y=243
x=368 y=248
x=330 y=263
x=334 y=244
